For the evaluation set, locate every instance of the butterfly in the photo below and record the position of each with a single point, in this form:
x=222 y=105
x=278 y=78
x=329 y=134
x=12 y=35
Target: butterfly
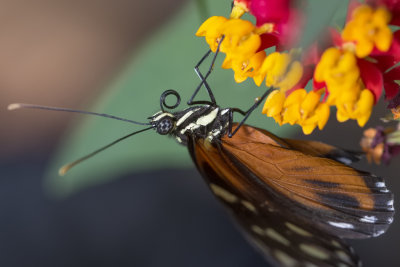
x=296 y=201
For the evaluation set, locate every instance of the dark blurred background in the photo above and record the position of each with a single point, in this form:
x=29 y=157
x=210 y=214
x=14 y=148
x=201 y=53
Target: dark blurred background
x=65 y=53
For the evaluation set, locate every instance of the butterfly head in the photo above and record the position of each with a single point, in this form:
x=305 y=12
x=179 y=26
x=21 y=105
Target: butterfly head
x=163 y=122
x=200 y=121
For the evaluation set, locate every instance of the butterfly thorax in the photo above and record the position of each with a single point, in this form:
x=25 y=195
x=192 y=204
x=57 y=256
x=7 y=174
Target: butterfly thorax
x=206 y=121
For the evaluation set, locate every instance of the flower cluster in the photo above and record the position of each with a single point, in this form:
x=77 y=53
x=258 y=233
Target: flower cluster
x=349 y=70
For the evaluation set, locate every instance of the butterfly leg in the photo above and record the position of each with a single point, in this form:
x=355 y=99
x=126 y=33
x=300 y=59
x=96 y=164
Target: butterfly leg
x=246 y=114
x=204 y=78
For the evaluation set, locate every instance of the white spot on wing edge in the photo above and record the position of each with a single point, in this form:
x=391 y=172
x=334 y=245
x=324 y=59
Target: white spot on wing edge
x=380 y=184
x=336 y=244
x=271 y=233
x=248 y=206
x=224 y=194
x=297 y=229
x=315 y=251
x=342 y=225
x=390 y=204
x=378 y=233
x=369 y=219
x=285 y=259
x=343 y=256
x=344 y=160
x=257 y=229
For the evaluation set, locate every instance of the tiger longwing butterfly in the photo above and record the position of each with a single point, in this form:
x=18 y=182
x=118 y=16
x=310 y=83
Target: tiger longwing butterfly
x=295 y=200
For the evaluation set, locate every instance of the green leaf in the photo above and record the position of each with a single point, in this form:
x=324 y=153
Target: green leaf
x=165 y=61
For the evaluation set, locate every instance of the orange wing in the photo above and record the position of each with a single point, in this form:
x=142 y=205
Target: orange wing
x=270 y=226
x=324 y=192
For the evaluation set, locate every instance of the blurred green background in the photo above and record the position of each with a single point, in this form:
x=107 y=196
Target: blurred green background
x=135 y=203
x=164 y=61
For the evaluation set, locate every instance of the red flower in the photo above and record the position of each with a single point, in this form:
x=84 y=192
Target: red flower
x=267 y=11
x=391 y=86
x=371 y=77
x=287 y=22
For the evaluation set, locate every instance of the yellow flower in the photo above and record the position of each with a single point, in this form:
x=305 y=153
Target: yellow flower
x=211 y=29
x=369 y=28
x=246 y=68
x=238 y=9
x=241 y=41
x=339 y=70
x=274 y=103
x=241 y=37
x=292 y=106
x=306 y=110
x=280 y=71
x=318 y=118
x=355 y=106
x=299 y=107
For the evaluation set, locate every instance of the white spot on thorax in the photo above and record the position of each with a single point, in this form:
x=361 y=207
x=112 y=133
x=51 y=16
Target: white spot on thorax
x=380 y=184
x=342 y=225
x=162 y=115
x=369 y=219
x=184 y=117
x=207 y=119
x=202 y=121
x=224 y=111
x=191 y=127
x=158 y=112
x=213 y=134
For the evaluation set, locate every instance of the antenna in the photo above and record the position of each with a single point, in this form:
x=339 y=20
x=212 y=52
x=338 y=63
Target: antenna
x=15 y=106
x=64 y=169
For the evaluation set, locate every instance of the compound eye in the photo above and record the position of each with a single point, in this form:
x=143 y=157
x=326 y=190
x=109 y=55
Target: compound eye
x=165 y=126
